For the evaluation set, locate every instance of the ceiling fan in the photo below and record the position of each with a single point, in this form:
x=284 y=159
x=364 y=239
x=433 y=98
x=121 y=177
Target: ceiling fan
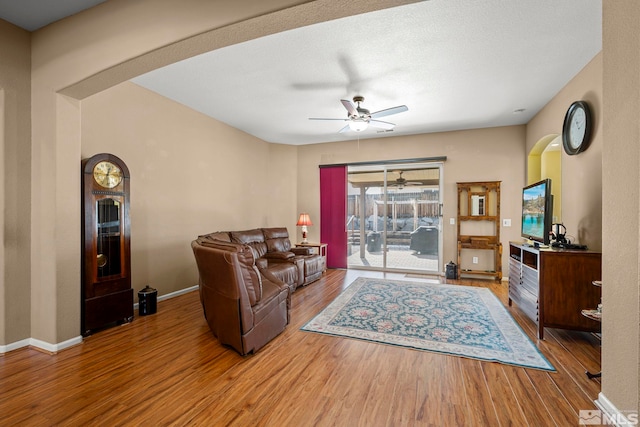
x=401 y=182
x=360 y=118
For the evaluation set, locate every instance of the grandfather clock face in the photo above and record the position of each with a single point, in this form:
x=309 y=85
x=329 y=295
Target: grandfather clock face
x=106 y=265
x=107 y=175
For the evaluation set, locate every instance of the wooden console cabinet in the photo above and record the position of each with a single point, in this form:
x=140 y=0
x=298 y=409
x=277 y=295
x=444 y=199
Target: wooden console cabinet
x=552 y=286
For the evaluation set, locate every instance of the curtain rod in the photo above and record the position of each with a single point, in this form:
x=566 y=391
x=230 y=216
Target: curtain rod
x=387 y=162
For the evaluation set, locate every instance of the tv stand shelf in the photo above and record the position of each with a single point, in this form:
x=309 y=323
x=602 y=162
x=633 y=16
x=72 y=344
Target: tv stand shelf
x=552 y=286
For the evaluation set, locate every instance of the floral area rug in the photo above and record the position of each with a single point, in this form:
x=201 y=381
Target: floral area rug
x=452 y=319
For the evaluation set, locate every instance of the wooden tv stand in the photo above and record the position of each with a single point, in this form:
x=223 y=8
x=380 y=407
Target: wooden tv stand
x=552 y=286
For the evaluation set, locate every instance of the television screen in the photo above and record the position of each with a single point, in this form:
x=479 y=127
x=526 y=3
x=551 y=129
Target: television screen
x=537 y=211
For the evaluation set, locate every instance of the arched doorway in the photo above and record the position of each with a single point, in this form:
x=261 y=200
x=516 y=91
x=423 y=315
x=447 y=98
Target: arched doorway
x=545 y=161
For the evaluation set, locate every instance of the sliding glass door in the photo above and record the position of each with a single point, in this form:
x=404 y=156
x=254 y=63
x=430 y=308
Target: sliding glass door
x=393 y=217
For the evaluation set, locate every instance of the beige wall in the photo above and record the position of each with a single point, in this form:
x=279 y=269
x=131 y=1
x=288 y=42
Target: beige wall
x=474 y=155
x=15 y=135
x=92 y=51
x=621 y=179
x=582 y=173
x=190 y=175
x=119 y=39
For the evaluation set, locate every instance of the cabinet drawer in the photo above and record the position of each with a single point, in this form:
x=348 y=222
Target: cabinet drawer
x=514 y=294
x=527 y=302
x=530 y=279
x=514 y=269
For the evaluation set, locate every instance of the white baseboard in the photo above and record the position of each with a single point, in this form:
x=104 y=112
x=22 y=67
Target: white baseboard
x=612 y=415
x=14 y=346
x=42 y=345
x=54 y=348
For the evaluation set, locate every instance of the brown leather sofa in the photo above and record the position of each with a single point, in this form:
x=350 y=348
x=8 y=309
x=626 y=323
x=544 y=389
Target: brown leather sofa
x=244 y=309
x=274 y=253
x=246 y=281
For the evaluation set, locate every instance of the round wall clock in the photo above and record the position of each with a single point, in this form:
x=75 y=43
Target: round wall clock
x=576 y=130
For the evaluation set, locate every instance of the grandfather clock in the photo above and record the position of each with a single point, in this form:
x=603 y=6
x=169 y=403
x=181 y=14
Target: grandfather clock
x=107 y=296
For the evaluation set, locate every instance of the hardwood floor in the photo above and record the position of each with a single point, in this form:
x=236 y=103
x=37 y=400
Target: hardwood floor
x=168 y=369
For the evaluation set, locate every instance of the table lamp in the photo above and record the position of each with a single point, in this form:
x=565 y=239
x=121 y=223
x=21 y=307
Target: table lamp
x=304 y=221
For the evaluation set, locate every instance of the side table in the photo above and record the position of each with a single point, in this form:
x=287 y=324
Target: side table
x=321 y=249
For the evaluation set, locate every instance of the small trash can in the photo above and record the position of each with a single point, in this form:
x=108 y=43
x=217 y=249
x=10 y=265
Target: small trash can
x=451 y=271
x=147 y=301
x=373 y=242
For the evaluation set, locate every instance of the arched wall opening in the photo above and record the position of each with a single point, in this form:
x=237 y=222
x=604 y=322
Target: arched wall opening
x=77 y=74
x=545 y=161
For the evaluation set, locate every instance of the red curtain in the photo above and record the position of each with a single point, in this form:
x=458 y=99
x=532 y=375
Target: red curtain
x=333 y=214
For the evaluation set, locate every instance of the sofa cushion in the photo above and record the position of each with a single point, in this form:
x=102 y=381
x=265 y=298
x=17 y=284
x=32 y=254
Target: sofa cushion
x=285 y=272
x=222 y=236
x=253 y=238
x=313 y=265
x=275 y=232
x=253 y=283
x=277 y=239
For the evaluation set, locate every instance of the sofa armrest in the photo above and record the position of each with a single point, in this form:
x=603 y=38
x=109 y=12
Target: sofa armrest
x=273 y=279
x=262 y=263
x=302 y=251
x=279 y=256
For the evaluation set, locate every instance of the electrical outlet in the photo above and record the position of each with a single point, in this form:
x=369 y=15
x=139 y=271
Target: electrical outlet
x=452 y=221
x=475 y=259
x=506 y=223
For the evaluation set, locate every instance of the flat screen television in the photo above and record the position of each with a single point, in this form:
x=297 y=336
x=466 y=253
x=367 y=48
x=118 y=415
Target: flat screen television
x=537 y=211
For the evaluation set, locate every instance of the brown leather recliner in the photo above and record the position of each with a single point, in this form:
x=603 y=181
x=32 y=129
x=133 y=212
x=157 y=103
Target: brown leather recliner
x=310 y=266
x=244 y=308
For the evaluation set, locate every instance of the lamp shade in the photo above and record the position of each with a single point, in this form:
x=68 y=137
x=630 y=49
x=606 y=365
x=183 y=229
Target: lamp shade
x=304 y=219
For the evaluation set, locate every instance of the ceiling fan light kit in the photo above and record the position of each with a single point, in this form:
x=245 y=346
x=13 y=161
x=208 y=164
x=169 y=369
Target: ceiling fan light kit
x=358 y=125
x=359 y=118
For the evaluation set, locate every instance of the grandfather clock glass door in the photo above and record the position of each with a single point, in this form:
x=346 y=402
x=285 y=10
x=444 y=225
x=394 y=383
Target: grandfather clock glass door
x=109 y=245
x=107 y=296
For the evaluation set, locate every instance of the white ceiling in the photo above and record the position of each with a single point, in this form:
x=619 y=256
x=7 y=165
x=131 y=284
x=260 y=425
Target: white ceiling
x=34 y=14
x=460 y=64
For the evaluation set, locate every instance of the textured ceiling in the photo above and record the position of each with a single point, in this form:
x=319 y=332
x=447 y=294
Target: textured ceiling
x=456 y=65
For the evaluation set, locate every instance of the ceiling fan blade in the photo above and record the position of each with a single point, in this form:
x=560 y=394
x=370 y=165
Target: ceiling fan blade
x=350 y=107
x=344 y=129
x=319 y=118
x=381 y=125
x=389 y=111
